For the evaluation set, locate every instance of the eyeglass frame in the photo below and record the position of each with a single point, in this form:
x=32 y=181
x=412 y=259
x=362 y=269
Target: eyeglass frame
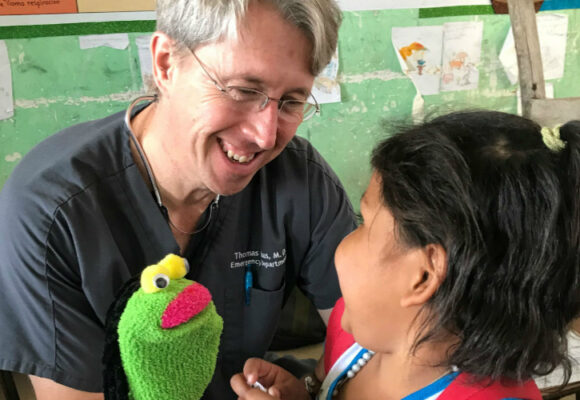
x=267 y=99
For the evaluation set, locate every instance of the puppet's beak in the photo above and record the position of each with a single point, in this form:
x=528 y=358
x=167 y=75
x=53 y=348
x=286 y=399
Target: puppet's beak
x=190 y=302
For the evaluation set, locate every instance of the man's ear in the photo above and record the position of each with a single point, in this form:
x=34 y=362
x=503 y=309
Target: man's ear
x=163 y=60
x=427 y=277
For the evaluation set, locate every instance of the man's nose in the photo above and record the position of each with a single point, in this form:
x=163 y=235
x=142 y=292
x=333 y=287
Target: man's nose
x=265 y=125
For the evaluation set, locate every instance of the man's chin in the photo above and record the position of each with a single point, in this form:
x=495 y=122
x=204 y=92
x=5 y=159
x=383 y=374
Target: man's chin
x=230 y=188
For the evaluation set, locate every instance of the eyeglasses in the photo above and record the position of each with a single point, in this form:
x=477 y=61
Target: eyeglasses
x=246 y=99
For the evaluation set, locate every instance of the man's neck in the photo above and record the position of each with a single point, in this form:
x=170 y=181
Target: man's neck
x=397 y=375
x=177 y=193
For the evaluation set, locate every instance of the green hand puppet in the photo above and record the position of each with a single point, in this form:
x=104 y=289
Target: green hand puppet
x=162 y=336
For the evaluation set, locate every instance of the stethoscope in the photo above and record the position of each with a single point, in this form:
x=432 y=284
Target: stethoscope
x=150 y=176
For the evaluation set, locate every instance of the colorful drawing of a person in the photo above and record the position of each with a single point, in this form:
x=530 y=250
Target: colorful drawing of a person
x=458 y=61
x=414 y=56
x=420 y=65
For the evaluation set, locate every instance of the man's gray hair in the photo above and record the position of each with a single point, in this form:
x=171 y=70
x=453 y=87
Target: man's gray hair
x=194 y=22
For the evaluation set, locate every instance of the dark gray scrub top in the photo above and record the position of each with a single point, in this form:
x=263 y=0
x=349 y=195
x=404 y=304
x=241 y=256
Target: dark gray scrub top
x=77 y=220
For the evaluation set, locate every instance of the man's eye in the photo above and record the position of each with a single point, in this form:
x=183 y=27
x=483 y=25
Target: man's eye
x=244 y=94
x=293 y=105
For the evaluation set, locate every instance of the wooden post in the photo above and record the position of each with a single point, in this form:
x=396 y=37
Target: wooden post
x=531 y=72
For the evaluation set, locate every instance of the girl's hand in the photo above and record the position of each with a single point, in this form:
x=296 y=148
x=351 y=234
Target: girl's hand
x=279 y=383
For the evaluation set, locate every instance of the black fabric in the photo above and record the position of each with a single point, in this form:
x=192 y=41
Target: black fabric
x=78 y=221
x=300 y=324
x=115 y=384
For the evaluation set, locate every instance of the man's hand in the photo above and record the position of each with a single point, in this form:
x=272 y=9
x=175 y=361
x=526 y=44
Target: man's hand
x=279 y=383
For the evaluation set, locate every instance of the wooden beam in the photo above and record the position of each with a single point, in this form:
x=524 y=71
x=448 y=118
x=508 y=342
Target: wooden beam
x=551 y=112
x=527 y=43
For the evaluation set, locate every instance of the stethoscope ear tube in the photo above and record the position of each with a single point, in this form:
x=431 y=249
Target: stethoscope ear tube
x=128 y=113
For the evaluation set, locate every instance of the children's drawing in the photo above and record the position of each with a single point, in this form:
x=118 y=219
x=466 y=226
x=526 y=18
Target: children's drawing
x=459 y=71
x=326 y=88
x=461 y=54
x=414 y=56
x=418 y=49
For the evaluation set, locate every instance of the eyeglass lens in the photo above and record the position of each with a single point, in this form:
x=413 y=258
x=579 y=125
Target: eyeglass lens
x=246 y=99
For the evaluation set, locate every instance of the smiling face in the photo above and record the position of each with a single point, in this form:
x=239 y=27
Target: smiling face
x=378 y=276
x=202 y=124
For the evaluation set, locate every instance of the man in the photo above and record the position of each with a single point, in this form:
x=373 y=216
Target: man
x=208 y=168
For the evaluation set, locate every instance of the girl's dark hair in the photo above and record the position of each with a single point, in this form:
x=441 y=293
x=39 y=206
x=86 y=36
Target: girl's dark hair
x=485 y=187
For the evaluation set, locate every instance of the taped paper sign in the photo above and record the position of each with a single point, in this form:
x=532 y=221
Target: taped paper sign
x=326 y=88
x=118 y=41
x=552 y=32
x=6 y=99
x=145 y=61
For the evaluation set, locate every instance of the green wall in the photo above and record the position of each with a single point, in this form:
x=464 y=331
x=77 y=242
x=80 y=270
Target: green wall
x=56 y=84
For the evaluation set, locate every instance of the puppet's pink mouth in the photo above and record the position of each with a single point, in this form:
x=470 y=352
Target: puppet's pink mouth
x=185 y=306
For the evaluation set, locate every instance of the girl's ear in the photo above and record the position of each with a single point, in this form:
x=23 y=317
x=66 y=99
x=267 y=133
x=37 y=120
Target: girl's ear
x=428 y=276
x=163 y=59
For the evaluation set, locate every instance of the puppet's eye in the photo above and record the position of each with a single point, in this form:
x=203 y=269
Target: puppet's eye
x=155 y=278
x=160 y=281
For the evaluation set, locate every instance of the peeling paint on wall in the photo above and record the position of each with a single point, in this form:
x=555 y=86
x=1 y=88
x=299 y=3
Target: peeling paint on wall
x=76 y=101
x=385 y=75
x=13 y=157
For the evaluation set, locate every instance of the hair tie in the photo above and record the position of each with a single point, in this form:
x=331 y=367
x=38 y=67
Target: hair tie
x=551 y=138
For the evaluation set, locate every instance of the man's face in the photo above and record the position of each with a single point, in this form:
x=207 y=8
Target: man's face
x=209 y=142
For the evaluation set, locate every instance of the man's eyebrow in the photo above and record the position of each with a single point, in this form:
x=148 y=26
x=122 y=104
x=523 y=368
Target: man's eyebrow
x=251 y=79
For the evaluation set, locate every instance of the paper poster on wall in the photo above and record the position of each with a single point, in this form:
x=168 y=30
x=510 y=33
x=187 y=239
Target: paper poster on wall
x=461 y=55
x=418 y=50
x=27 y=7
x=32 y=7
x=145 y=61
x=6 y=99
x=552 y=32
x=118 y=41
x=86 y=6
x=326 y=88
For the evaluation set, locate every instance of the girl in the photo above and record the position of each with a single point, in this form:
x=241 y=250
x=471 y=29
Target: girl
x=463 y=276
